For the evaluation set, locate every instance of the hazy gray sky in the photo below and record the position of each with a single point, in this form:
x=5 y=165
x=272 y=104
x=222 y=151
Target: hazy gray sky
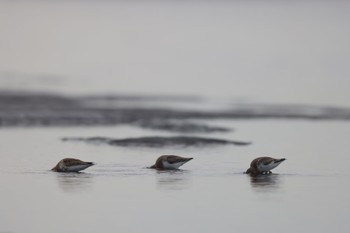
x=281 y=52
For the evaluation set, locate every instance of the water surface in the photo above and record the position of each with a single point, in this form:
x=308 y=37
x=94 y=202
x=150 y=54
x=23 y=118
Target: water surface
x=308 y=192
x=272 y=73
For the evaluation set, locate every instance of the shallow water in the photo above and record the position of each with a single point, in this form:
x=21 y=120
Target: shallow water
x=283 y=65
x=308 y=192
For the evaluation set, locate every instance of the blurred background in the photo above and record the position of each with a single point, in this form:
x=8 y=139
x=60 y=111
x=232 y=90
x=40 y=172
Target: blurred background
x=267 y=51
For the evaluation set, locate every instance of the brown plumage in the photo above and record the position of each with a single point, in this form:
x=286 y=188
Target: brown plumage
x=71 y=165
x=166 y=162
x=263 y=165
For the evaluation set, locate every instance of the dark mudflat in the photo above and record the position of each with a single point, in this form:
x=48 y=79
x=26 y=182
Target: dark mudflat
x=159 y=141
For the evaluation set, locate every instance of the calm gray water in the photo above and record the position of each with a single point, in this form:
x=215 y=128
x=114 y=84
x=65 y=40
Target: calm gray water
x=308 y=193
x=243 y=57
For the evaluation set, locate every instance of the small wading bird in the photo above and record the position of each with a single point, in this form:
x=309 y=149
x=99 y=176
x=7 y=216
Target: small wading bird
x=170 y=162
x=71 y=165
x=263 y=165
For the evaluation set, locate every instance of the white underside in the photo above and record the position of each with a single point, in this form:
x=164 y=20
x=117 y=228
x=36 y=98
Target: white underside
x=172 y=165
x=268 y=167
x=76 y=168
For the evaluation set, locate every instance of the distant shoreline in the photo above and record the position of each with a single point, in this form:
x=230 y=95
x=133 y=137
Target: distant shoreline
x=37 y=109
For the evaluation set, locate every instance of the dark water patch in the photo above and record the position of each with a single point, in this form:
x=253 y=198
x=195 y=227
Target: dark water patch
x=181 y=127
x=158 y=141
x=24 y=109
x=120 y=100
x=18 y=101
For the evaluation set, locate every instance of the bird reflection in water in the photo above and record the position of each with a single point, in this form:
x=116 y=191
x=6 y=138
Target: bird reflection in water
x=74 y=182
x=265 y=182
x=173 y=179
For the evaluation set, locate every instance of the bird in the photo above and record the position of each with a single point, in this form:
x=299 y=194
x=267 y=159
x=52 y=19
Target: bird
x=263 y=165
x=170 y=162
x=71 y=165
